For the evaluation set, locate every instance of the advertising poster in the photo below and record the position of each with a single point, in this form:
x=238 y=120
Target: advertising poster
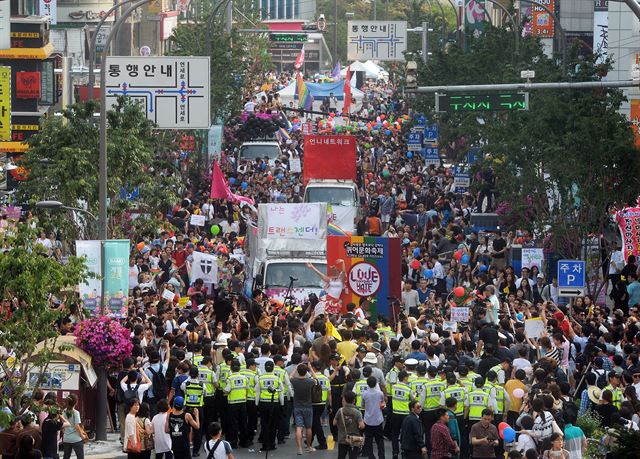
x=634 y=117
x=371 y=270
x=295 y=221
x=541 y=21
x=474 y=17
x=329 y=157
x=28 y=85
x=116 y=275
x=532 y=257
x=628 y=220
x=91 y=290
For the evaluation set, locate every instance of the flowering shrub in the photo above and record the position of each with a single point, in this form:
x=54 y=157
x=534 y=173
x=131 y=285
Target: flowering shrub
x=105 y=340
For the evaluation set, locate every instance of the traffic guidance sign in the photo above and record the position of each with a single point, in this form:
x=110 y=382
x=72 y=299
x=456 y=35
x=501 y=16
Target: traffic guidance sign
x=571 y=277
x=174 y=91
x=414 y=141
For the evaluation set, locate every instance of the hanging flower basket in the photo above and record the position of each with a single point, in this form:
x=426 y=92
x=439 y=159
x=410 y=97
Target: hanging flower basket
x=105 y=340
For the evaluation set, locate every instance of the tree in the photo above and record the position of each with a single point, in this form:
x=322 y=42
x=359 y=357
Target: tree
x=29 y=278
x=63 y=165
x=561 y=164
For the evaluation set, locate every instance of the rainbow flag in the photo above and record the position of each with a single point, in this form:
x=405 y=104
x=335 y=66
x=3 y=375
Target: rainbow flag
x=335 y=230
x=305 y=99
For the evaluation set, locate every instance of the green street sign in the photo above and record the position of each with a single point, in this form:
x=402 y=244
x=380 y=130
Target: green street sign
x=482 y=102
x=288 y=37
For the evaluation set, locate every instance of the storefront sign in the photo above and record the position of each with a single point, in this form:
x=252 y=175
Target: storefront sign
x=28 y=85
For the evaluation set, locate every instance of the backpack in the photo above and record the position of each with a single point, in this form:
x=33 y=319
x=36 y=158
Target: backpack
x=130 y=395
x=159 y=384
x=316 y=393
x=601 y=382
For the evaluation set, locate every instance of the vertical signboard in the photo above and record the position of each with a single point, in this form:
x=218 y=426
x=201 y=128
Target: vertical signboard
x=214 y=144
x=628 y=220
x=5 y=24
x=542 y=22
x=371 y=271
x=49 y=9
x=634 y=118
x=116 y=275
x=474 y=17
x=90 y=290
x=5 y=103
x=600 y=29
x=47 y=83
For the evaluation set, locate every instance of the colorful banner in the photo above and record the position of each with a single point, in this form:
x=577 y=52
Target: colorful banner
x=628 y=220
x=372 y=270
x=474 y=18
x=541 y=21
x=533 y=257
x=28 y=85
x=294 y=221
x=116 y=275
x=329 y=157
x=91 y=290
x=214 y=141
x=634 y=118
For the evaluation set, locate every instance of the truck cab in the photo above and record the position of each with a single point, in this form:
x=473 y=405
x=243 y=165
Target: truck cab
x=250 y=151
x=277 y=273
x=343 y=202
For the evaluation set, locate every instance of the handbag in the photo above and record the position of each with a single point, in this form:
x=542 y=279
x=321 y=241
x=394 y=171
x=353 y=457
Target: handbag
x=134 y=447
x=146 y=440
x=354 y=441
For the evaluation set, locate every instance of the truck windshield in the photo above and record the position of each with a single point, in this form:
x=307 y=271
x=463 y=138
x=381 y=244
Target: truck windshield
x=330 y=195
x=277 y=275
x=259 y=151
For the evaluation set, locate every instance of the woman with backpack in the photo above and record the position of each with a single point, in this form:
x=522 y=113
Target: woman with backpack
x=146 y=431
x=216 y=447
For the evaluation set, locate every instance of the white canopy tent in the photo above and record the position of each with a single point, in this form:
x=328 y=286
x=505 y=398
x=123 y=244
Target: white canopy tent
x=288 y=95
x=372 y=70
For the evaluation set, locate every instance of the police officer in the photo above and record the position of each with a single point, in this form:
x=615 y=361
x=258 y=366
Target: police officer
x=391 y=379
x=432 y=390
x=269 y=396
x=319 y=407
x=222 y=373
x=456 y=390
x=208 y=378
x=194 y=401
x=285 y=416
x=252 y=409
x=418 y=384
x=236 y=389
x=360 y=386
x=477 y=400
x=401 y=395
x=337 y=375
x=501 y=397
x=614 y=387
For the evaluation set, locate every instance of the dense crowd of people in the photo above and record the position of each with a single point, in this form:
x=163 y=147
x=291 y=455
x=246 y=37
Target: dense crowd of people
x=225 y=370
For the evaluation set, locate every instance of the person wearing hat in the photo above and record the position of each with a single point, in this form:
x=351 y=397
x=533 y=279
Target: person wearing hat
x=337 y=374
x=179 y=425
x=360 y=386
x=614 y=388
x=270 y=398
x=401 y=396
x=501 y=370
x=590 y=396
x=285 y=418
x=356 y=361
x=193 y=390
x=371 y=360
x=501 y=397
x=236 y=388
x=431 y=400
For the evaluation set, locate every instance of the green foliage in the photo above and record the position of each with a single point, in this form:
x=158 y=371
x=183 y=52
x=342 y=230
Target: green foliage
x=29 y=277
x=236 y=59
x=63 y=165
x=559 y=164
x=627 y=444
x=589 y=422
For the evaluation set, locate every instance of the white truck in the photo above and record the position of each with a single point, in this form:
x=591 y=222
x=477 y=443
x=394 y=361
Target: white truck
x=277 y=258
x=343 y=203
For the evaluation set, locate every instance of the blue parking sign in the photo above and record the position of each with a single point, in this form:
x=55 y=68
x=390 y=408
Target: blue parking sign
x=571 y=273
x=414 y=141
x=431 y=133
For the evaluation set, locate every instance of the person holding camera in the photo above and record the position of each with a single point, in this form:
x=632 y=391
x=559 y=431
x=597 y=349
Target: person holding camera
x=349 y=424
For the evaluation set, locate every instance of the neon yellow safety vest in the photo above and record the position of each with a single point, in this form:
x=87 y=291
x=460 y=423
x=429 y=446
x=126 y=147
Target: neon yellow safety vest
x=388 y=379
x=617 y=395
x=418 y=386
x=243 y=364
x=459 y=393
x=205 y=376
x=238 y=388
x=477 y=400
x=359 y=387
x=499 y=391
x=432 y=390
x=326 y=387
x=251 y=380
x=197 y=360
x=281 y=373
x=467 y=383
x=497 y=369
x=269 y=381
x=224 y=370
x=193 y=393
x=400 y=398
x=472 y=375
x=385 y=331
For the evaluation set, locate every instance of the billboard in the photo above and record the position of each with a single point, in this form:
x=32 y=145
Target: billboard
x=174 y=91
x=329 y=157
x=376 y=40
x=601 y=29
x=541 y=21
x=371 y=270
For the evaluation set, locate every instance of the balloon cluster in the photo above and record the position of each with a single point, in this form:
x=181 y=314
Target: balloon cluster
x=384 y=125
x=462 y=257
x=506 y=432
x=258 y=128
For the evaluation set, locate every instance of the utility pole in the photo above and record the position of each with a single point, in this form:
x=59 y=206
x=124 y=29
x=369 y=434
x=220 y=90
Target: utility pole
x=229 y=16
x=335 y=31
x=375 y=10
x=633 y=6
x=425 y=41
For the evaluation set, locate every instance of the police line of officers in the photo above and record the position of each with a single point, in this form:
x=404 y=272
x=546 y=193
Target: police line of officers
x=237 y=393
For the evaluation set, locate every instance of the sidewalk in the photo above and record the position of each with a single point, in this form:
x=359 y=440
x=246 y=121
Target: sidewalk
x=110 y=449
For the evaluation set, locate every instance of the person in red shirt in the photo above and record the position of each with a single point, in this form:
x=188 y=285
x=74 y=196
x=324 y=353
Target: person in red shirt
x=180 y=261
x=442 y=445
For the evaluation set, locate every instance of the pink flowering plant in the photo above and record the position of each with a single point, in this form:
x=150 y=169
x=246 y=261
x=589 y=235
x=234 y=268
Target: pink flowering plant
x=105 y=340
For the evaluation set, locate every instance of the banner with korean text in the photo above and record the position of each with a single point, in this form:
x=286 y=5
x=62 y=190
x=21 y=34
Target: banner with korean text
x=90 y=290
x=294 y=221
x=329 y=157
x=371 y=275
x=116 y=276
x=628 y=220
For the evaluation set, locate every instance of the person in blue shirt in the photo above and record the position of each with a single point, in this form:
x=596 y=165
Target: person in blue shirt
x=633 y=289
x=423 y=291
x=181 y=376
x=454 y=428
x=416 y=353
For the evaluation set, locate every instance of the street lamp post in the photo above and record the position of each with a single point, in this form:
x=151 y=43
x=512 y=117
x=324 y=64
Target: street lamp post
x=57 y=205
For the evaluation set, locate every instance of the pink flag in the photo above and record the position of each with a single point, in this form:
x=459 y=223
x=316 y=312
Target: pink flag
x=220 y=189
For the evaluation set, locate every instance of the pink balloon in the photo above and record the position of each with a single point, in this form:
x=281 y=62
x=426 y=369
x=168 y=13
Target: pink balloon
x=518 y=393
